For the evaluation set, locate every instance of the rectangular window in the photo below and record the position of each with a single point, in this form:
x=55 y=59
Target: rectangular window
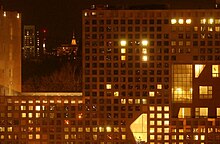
x=218 y=113
x=184 y=113
x=215 y=70
x=201 y=112
x=205 y=92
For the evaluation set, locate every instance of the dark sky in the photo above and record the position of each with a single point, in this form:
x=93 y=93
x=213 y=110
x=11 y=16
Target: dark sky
x=59 y=17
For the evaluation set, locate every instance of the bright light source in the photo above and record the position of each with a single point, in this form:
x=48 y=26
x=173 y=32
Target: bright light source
x=144 y=51
x=123 y=57
x=159 y=86
x=4 y=14
x=173 y=21
x=123 y=43
x=180 y=21
x=144 y=42
x=108 y=86
x=203 y=21
x=18 y=15
x=211 y=21
x=37 y=108
x=144 y=58
x=123 y=50
x=151 y=94
x=188 y=21
x=108 y=129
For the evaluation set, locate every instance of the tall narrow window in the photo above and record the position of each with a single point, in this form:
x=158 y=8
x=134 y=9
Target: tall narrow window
x=215 y=70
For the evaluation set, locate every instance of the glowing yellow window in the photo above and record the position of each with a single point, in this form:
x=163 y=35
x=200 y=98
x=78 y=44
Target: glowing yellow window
x=144 y=58
x=218 y=113
x=217 y=21
x=198 y=69
x=123 y=137
x=211 y=21
x=123 y=50
x=116 y=93
x=37 y=136
x=4 y=14
x=205 y=92
x=173 y=21
x=159 y=86
x=151 y=94
x=184 y=113
x=144 y=42
x=210 y=28
x=101 y=129
x=108 y=129
x=203 y=21
x=180 y=21
x=123 y=43
x=108 y=86
x=123 y=57
x=215 y=70
x=188 y=21
x=217 y=28
x=37 y=108
x=144 y=51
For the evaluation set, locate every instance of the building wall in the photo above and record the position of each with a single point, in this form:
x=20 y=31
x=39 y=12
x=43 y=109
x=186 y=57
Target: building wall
x=10 y=47
x=144 y=63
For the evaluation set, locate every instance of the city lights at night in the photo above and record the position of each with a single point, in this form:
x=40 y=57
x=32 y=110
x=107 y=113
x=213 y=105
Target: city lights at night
x=110 y=72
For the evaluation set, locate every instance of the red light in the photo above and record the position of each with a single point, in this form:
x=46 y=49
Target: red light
x=44 y=31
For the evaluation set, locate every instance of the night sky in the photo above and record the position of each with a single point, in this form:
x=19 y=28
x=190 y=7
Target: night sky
x=59 y=17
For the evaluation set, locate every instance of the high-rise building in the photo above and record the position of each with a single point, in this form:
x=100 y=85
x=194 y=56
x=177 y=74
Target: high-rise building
x=10 y=50
x=34 y=42
x=152 y=76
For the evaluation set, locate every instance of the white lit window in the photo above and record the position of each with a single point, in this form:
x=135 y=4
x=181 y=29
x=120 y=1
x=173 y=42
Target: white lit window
x=108 y=129
x=37 y=136
x=123 y=43
x=37 y=108
x=173 y=21
x=144 y=58
x=180 y=21
x=188 y=21
x=86 y=14
x=151 y=94
x=123 y=50
x=159 y=86
x=203 y=21
x=18 y=15
x=166 y=108
x=198 y=69
x=4 y=14
x=144 y=42
x=211 y=21
x=144 y=51
x=108 y=86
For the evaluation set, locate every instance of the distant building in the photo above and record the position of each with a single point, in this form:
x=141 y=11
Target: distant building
x=10 y=52
x=68 y=50
x=34 y=42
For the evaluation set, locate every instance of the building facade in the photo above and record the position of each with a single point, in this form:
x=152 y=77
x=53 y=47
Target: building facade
x=10 y=50
x=34 y=42
x=152 y=75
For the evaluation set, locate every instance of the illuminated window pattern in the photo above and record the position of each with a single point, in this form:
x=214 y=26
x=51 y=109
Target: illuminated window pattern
x=182 y=83
x=218 y=112
x=215 y=70
x=184 y=113
x=205 y=92
x=201 y=112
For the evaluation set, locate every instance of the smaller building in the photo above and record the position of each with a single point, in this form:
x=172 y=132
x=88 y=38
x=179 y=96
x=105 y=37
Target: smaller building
x=68 y=50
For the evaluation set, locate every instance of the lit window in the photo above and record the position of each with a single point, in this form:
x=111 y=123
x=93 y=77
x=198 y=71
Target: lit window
x=217 y=21
x=210 y=21
x=218 y=113
x=151 y=108
x=37 y=136
x=37 y=108
x=198 y=69
x=210 y=28
x=4 y=14
x=188 y=21
x=166 y=123
x=30 y=115
x=173 y=43
x=159 y=115
x=203 y=21
x=66 y=136
x=159 y=86
x=152 y=123
x=173 y=21
x=123 y=50
x=201 y=112
x=30 y=136
x=9 y=129
x=101 y=129
x=144 y=58
x=166 y=115
x=123 y=57
x=184 y=113
x=151 y=94
x=93 y=13
x=159 y=123
x=144 y=42
x=180 y=21
x=108 y=129
x=144 y=51
x=166 y=108
x=123 y=137
x=116 y=93
x=23 y=115
x=123 y=43
x=18 y=15
x=215 y=70
x=217 y=28
x=23 y=107
x=108 y=86
x=205 y=92
x=85 y=14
